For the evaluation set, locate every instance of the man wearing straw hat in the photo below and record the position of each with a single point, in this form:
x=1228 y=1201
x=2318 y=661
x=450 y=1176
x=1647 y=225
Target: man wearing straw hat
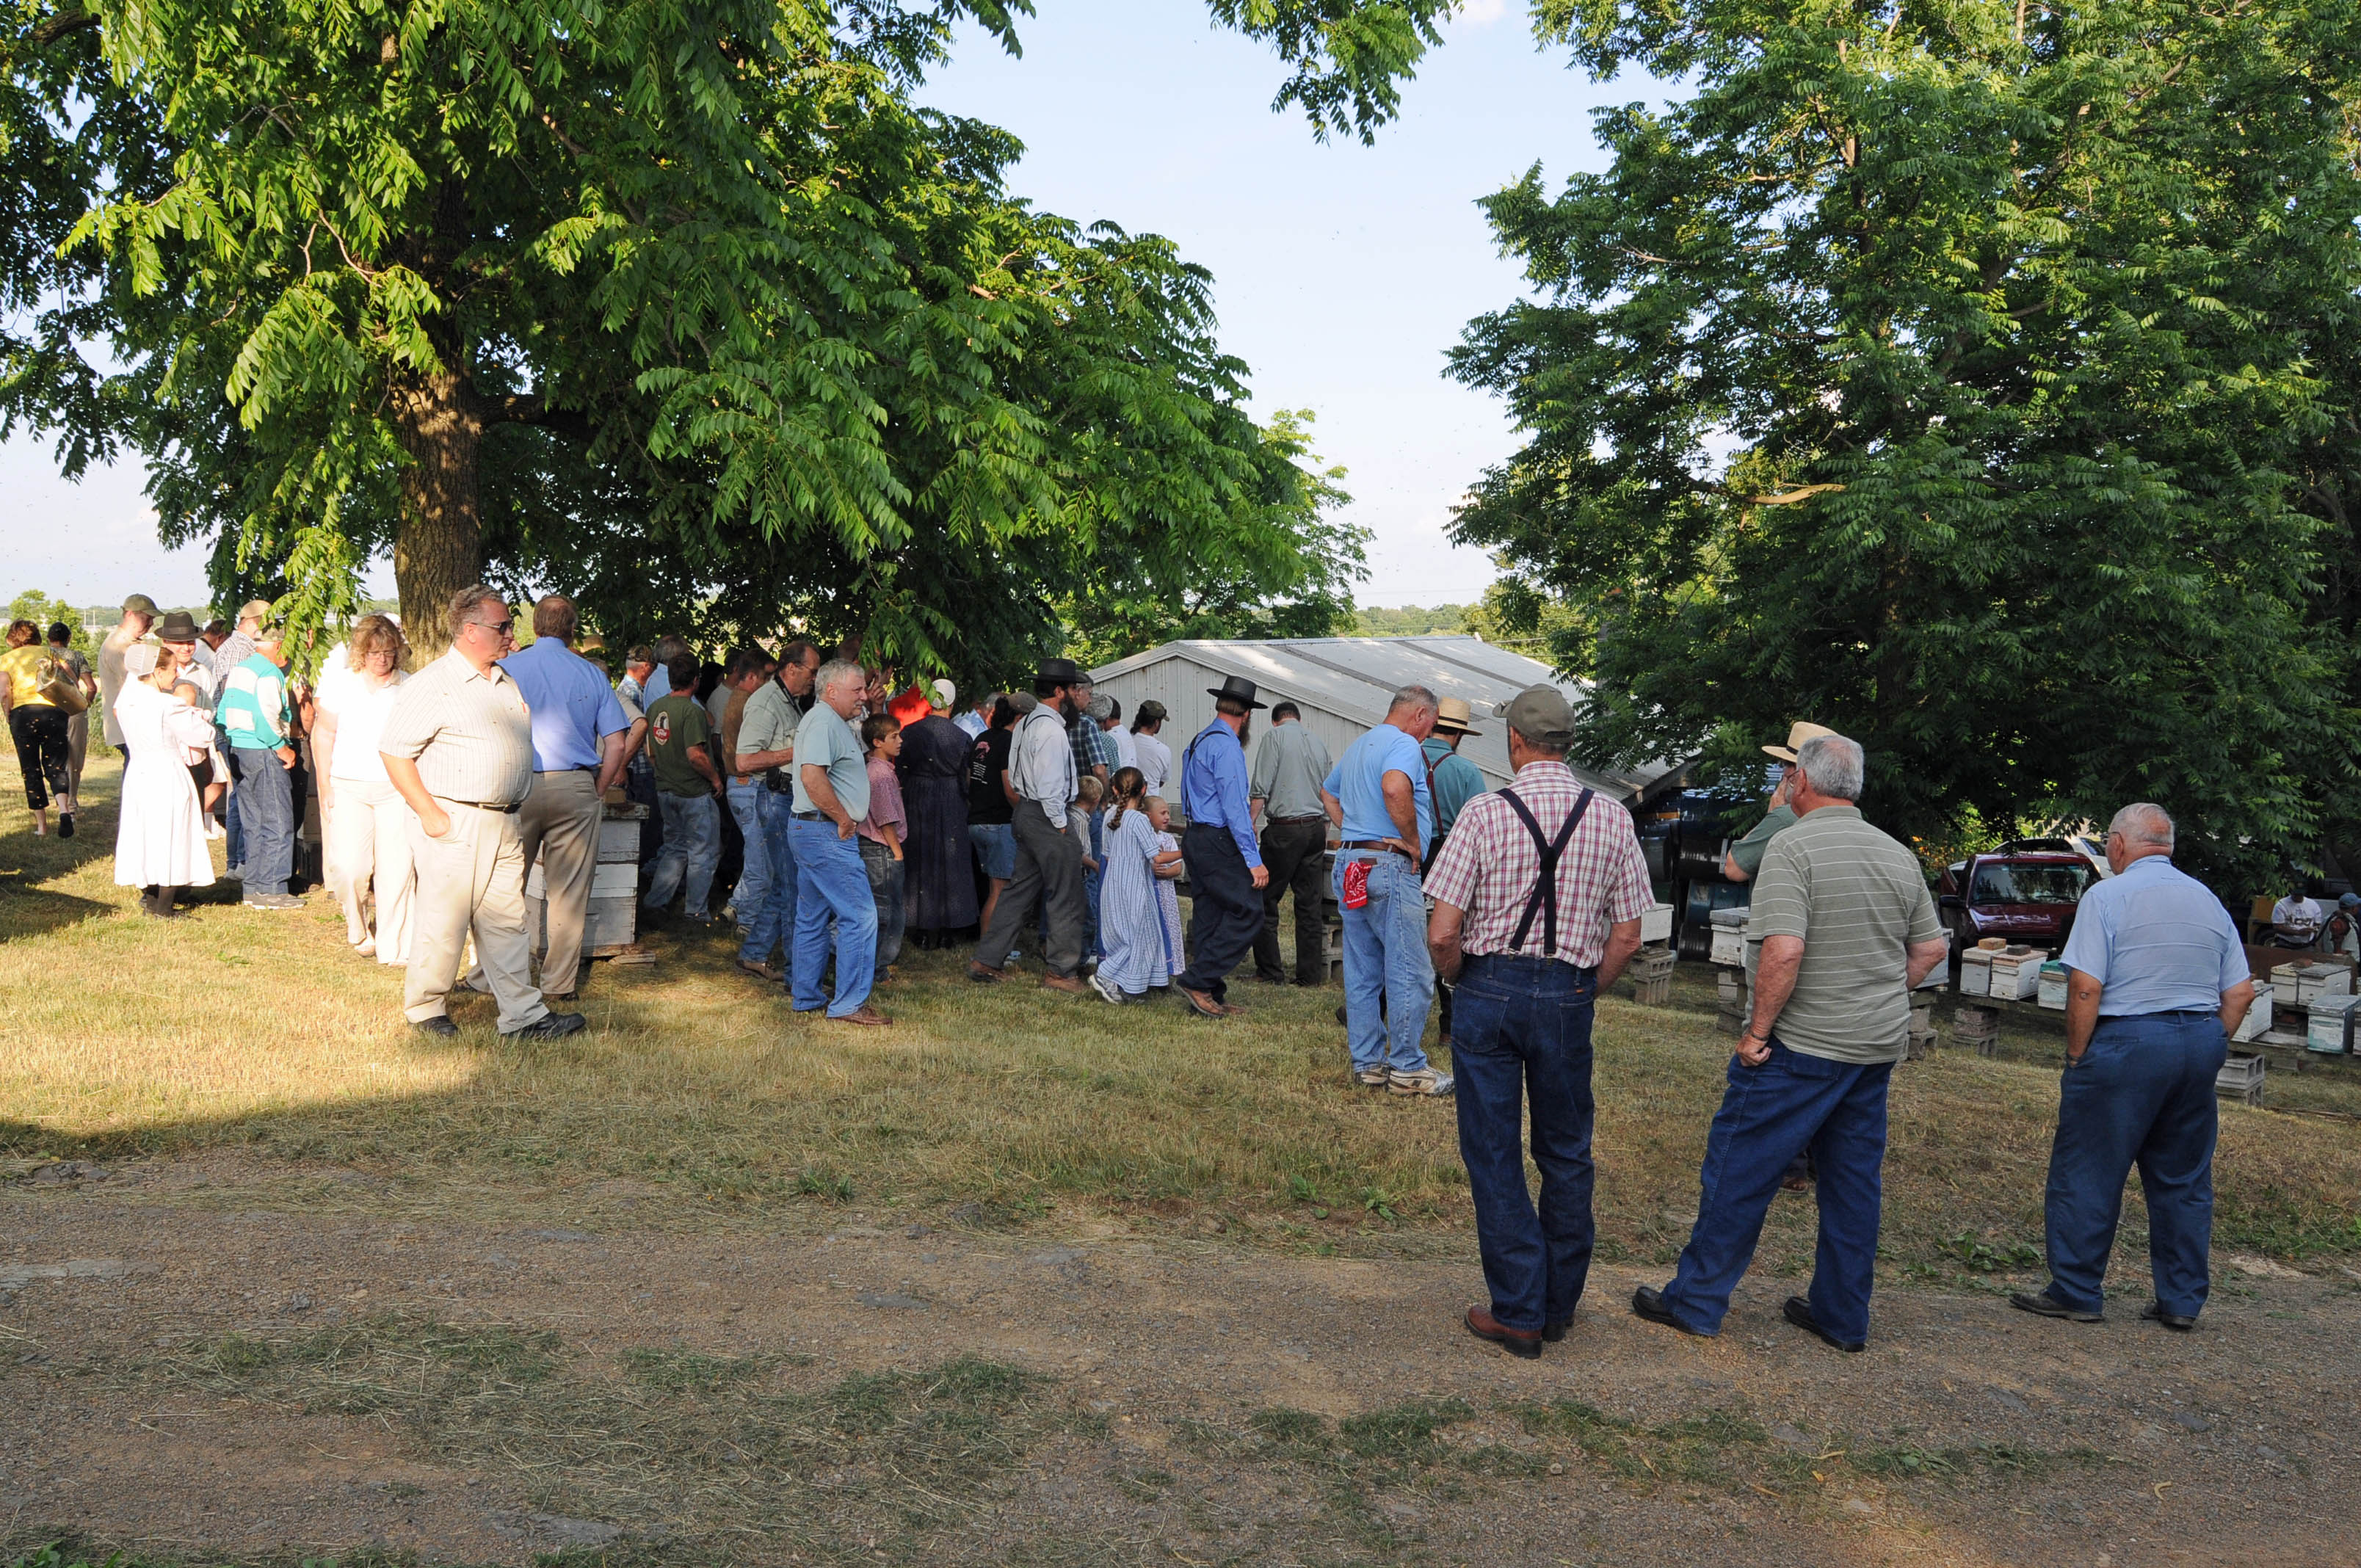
x=1743 y=859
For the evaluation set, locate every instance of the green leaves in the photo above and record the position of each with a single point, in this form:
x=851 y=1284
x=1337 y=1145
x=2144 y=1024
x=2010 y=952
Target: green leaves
x=679 y=305
x=1960 y=385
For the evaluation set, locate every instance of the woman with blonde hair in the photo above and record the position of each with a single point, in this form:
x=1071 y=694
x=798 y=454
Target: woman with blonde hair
x=368 y=831
x=160 y=833
x=29 y=693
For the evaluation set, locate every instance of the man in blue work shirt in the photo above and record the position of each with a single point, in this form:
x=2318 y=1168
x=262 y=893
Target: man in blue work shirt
x=1226 y=875
x=1378 y=797
x=2155 y=981
x=577 y=755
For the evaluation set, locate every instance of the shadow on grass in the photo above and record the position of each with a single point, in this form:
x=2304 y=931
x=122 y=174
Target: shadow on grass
x=28 y=912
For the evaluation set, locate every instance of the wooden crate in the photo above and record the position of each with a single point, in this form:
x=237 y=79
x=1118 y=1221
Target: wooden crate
x=609 y=926
x=608 y=878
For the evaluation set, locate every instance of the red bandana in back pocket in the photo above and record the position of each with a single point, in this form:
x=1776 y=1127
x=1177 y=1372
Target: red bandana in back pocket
x=1357 y=883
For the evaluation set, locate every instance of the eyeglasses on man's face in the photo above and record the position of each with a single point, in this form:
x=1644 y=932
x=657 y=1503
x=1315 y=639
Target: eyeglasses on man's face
x=498 y=628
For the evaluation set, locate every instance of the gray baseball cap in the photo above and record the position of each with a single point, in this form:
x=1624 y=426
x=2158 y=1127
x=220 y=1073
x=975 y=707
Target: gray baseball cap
x=1541 y=715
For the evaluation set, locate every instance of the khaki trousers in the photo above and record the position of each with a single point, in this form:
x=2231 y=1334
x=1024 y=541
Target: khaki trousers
x=471 y=878
x=368 y=844
x=558 y=824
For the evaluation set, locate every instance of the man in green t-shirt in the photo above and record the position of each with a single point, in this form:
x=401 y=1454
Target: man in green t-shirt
x=1845 y=928
x=687 y=788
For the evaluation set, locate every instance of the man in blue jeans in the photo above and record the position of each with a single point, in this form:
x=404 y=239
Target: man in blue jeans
x=765 y=747
x=832 y=795
x=253 y=710
x=1538 y=893
x=1842 y=928
x=1377 y=796
x=2155 y=981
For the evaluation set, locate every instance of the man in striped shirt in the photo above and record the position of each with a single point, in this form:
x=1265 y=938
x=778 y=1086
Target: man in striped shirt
x=1842 y=928
x=1538 y=894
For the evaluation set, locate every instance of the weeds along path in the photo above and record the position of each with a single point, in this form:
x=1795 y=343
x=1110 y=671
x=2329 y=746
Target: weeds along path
x=185 y=1382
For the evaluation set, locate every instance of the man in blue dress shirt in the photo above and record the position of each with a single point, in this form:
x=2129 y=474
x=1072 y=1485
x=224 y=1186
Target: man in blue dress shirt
x=1377 y=796
x=579 y=730
x=2156 y=980
x=1226 y=875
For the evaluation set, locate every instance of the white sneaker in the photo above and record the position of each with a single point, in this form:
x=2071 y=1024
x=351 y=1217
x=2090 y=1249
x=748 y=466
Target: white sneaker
x=1425 y=1081
x=1106 y=987
x=1372 y=1077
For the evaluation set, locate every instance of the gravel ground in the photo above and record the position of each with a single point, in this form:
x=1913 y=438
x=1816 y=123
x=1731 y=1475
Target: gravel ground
x=1966 y=1435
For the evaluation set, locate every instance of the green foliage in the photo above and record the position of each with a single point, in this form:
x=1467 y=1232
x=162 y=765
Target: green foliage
x=683 y=307
x=1410 y=620
x=1976 y=378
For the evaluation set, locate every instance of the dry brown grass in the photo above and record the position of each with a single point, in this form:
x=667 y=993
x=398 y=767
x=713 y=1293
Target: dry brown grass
x=235 y=1027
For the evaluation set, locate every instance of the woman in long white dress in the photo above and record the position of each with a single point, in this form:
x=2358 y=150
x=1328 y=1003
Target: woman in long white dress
x=369 y=834
x=159 y=834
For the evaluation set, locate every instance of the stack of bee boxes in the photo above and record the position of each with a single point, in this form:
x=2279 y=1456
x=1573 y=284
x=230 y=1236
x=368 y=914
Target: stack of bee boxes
x=613 y=924
x=2017 y=973
x=1730 y=1016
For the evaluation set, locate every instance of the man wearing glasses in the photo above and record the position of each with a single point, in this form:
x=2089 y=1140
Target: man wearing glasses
x=458 y=747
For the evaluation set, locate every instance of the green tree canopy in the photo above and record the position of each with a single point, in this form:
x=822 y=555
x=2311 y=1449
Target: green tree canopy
x=680 y=306
x=1976 y=377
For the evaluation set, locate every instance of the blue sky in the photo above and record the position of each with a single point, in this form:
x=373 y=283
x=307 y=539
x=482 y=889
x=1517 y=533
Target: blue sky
x=1342 y=272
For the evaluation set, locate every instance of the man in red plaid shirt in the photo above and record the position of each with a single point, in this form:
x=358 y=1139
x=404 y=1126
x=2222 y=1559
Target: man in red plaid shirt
x=1538 y=894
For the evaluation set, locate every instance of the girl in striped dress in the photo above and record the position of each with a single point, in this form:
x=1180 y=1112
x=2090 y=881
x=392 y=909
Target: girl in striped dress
x=1130 y=923
x=1167 y=891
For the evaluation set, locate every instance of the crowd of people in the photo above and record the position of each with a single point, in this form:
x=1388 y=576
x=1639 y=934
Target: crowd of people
x=841 y=819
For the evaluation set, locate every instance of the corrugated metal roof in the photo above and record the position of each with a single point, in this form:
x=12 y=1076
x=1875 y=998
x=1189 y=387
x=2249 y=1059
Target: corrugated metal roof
x=1346 y=684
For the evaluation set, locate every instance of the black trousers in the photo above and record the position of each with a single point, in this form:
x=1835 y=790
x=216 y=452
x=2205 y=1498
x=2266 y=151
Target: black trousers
x=1049 y=874
x=1293 y=852
x=1226 y=910
x=39 y=731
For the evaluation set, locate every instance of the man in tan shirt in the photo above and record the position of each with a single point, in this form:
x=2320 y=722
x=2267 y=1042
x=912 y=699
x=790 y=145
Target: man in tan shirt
x=458 y=747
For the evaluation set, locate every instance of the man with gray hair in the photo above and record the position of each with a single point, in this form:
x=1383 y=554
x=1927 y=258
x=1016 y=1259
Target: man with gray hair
x=1841 y=930
x=2155 y=981
x=831 y=796
x=1377 y=796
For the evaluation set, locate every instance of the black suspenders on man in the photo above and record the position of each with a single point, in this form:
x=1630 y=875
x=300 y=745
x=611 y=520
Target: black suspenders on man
x=1544 y=899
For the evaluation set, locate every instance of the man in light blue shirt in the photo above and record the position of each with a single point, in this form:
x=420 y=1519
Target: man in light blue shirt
x=579 y=730
x=2155 y=979
x=832 y=795
x=1377 y=798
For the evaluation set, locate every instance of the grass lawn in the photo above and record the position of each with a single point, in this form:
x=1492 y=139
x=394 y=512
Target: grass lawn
x=696 y=1085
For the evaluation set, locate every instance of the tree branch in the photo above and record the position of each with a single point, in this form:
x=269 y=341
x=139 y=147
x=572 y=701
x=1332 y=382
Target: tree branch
x=61 y=24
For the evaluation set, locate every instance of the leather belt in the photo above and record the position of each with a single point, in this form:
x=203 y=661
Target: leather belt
x=1296 y=821
x=488 y=804
x=1375 y=844
x=811 y=817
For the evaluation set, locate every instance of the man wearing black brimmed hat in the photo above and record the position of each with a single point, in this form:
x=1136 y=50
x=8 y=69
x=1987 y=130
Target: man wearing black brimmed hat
x=1049 y=854
x=1226 y=875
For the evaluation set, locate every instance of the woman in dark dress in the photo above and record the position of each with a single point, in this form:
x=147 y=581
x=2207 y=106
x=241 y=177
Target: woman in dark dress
x=940 y=864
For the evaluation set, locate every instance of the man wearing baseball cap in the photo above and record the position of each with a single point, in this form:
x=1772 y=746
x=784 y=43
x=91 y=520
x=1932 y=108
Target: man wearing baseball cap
x=138 y=614
x=1538 y=894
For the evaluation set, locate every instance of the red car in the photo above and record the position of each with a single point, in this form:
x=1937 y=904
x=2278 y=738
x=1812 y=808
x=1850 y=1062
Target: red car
x=2024 y=892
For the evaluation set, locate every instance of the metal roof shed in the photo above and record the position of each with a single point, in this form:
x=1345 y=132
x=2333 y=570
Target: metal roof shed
x=1344 y=684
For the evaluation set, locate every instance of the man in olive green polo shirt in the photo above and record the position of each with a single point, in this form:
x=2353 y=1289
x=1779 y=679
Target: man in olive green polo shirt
x=1842 y=928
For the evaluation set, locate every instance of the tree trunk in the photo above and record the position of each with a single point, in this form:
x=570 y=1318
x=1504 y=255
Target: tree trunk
x=438 y=547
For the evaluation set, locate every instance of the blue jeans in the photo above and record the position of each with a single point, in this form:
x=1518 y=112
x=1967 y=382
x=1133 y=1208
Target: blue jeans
x=692 y=848
x=266 y=810
x=2143 y=1093
x=832 y=885
x=771 y=923
x=755 y=861
x=1385 y=957
x=1520 y=1022
x=1769 y=1113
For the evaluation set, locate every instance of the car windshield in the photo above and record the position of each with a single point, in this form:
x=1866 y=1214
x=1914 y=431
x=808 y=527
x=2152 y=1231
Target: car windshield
x=2007 y=884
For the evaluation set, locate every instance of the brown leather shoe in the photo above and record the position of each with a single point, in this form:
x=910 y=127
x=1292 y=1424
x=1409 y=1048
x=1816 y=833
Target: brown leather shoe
x=985 y=974
x=1066 y=983
x=1201 y=1004
x=868 y=1017
x=760 y=971
x=1523 y=1342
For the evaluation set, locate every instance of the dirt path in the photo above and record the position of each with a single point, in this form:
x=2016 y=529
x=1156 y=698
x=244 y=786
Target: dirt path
x=782 y=1398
